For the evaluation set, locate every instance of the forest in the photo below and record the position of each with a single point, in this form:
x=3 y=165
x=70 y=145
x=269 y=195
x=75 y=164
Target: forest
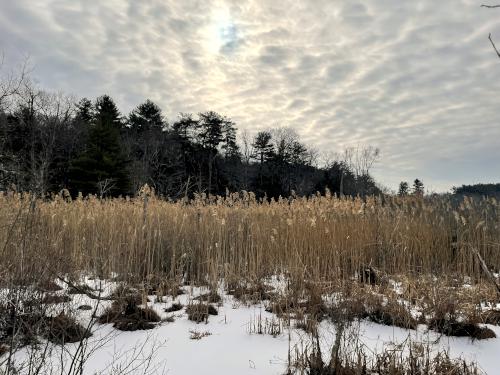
x=51 y=142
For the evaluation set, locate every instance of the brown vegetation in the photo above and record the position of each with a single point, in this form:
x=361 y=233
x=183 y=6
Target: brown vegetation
x=199 y=312
x=319 y=238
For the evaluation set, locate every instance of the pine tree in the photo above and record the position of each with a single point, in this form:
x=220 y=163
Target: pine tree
x=146 y=117
x=184 y=128
x=418 y=187
x=263 y=152
x=210 y=130
x=145 y=140
x=101 y=168
x=106 y=113
x=229 y=145
x=403 y=189
x=209 y=137
x=263 y=147
x=84 y=111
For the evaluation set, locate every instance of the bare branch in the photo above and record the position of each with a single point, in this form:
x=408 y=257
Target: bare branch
x=494 y=47
x=490 y=6
x=85 y=291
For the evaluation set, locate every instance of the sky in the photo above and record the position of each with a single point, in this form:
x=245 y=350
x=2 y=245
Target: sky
x=418 y=79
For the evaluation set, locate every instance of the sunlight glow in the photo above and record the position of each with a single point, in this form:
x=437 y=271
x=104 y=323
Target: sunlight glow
x=222 y=30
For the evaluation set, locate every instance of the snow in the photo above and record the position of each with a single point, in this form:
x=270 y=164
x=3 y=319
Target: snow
x=231 y=348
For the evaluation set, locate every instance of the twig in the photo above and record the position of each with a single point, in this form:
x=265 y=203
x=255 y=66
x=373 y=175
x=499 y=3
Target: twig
x=493 y=44
x=490 y=6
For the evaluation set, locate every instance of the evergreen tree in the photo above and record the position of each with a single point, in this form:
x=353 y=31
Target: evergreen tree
x=418 y=187
x=185 y=127
x=403 y=189
x=146 y=117
x=106 y=113
x=229 y=145
x=84 y=111
x=209 y=135
x=145 y=140
x=263 y=147
x=263 y=152
x=210 y=128
x=101 y=168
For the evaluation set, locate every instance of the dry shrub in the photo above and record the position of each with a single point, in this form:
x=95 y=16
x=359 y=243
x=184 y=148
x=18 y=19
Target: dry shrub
x=175 y=307
x=25 y=328
x=210 y=297
x=451 y=327
x=266 y=326
x=314 y=306
x=127 y=294
x=357 y=361
x=373 y=307
x=250 y=292
x=284 y=305
x=449 y=320
x=308 y=325
x=491 y=317
x=391 y=313
x=127 y=316
x=160 y=286
x=64 y=329
x=298 y=306
x=198 y=335
x=199 y=312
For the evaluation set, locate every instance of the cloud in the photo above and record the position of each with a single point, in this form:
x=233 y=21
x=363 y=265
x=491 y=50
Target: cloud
x=418 y=79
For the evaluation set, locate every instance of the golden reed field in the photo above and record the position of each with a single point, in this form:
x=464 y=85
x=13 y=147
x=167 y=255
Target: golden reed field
x=321 y=238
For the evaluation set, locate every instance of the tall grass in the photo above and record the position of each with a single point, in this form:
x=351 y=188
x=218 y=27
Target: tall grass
x=322 y=238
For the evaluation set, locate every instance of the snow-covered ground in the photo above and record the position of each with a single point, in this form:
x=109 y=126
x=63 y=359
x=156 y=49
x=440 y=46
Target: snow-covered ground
x=228 y=345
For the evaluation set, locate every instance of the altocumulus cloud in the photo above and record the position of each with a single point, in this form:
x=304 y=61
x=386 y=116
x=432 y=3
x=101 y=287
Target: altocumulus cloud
x=418 y=79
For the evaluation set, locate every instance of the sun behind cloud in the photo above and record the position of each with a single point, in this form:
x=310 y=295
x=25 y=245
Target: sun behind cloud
x=222 y=32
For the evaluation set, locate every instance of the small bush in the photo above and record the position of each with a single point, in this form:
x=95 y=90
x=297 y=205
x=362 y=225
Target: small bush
x=197 y=335
x=211 y=297
x=491 y=317
x=251 y=292
x=64 y=329
x=129 y=317
x=127 y=294
x=199 y=312
x=451 y=327
x=391 y=314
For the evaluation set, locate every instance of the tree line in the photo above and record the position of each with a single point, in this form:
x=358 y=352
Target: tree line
x=489 y=190
x=50 y=142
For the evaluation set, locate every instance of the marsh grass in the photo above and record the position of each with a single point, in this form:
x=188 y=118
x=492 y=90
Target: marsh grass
x=319 y=238
x=348 y=248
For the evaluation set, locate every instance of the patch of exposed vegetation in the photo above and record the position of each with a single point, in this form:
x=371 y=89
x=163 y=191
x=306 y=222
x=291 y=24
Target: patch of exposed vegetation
x=199 y=312
x=174 y=307
x=126 y=315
